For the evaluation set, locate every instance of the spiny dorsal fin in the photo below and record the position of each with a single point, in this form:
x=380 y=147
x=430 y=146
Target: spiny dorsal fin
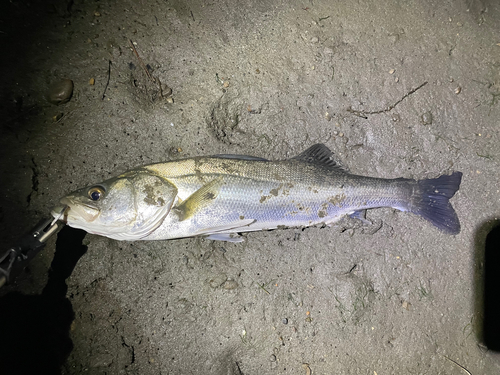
x=321 y=155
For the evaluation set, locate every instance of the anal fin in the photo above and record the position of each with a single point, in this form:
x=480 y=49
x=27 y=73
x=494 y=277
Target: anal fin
x=360 y=215
x=226 y=228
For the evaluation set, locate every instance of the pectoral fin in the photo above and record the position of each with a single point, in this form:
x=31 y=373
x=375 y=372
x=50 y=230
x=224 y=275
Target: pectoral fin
x=200 y=199
x=223 y=232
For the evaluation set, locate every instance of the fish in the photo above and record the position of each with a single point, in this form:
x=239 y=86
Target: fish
x=223 y=196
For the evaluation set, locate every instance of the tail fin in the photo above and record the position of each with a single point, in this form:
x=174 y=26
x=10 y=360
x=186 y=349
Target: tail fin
x=431 y=201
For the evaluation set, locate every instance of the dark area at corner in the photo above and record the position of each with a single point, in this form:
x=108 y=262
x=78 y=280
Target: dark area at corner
x=491 y=288
x=35 y=328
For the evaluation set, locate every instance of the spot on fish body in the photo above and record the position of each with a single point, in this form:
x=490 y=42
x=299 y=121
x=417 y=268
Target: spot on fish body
x=263 y=198
x=336 y=200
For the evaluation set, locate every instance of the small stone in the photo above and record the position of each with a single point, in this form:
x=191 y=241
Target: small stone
x=285 y=321
x=92 y=82
x=406 y=305
x=396 y=79
x=426 y=118
x=97 y=14
x=272 y=358
x=328 y=116
x=341 y=134
x=167 y=91
x=314 y=40
x=226 y=84
x=60 y=92
x=458 y=90
x=170 y=100
x=57 y=117
x=392 y=71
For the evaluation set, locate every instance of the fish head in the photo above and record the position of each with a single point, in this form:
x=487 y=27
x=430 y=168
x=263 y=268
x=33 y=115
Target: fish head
x=128 y=207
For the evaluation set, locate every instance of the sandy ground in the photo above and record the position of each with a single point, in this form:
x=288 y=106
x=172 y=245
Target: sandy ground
x=264 y=78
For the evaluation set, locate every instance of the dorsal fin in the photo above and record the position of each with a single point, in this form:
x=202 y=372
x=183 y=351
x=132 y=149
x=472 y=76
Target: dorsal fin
x=321 y=155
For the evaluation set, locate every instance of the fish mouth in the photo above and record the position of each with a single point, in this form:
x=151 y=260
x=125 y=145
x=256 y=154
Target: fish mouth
x=70 y=209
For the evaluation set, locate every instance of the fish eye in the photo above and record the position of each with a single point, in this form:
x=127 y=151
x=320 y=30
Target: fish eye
x=95 y=193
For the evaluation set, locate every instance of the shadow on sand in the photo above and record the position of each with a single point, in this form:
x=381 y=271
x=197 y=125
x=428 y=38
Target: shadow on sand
x=35 y=328
x=487 y=284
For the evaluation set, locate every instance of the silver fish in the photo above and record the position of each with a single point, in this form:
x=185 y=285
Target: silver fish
x=222 y=196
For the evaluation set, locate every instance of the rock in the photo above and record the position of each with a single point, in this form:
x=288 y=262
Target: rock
x=60 y=92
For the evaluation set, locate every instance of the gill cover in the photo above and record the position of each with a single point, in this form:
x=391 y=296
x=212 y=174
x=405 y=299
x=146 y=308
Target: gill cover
x=153 y=199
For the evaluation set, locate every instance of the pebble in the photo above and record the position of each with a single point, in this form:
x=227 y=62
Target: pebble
x=285 y=321
x=60 y=92
x=57 y=117
x=272 y=358
x=92 y=82
x=314 y=40
x=426 y=118
x=458 y=90
x=392 y=71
